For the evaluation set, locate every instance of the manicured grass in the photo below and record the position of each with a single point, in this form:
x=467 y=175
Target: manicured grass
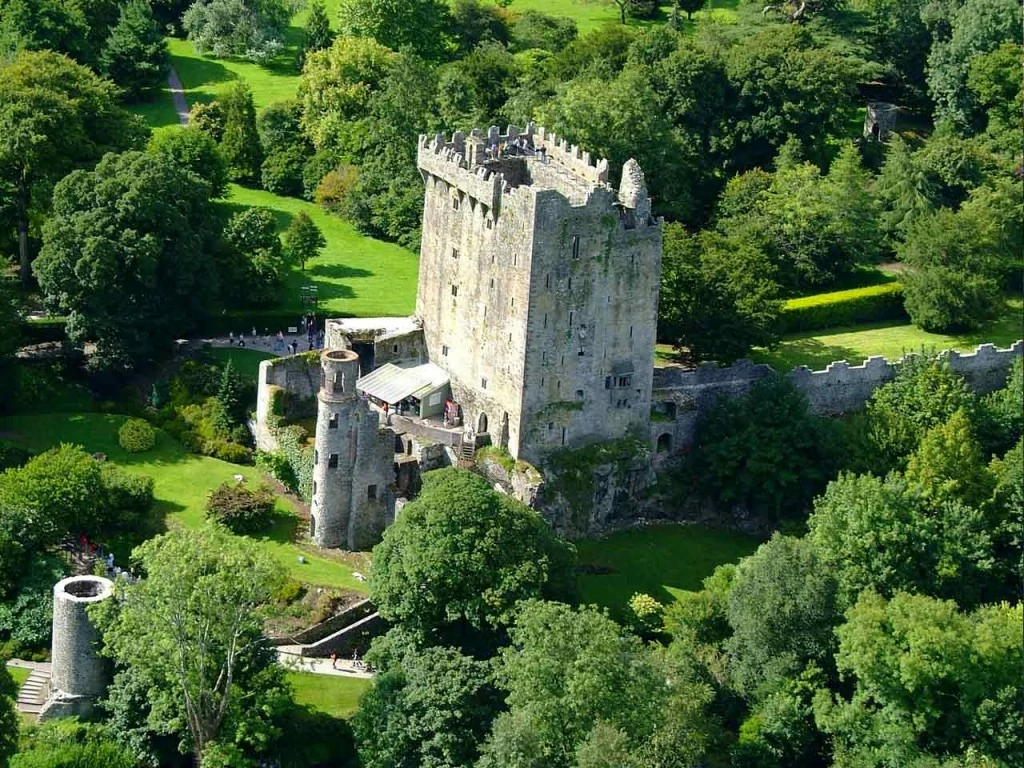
x=181 y=484
x=856 y=344
x=334 y=695
x=891 y=341
x=245 y=361
x=592 y=14
x=159 y=113
x=355 y=275
x=661 y=560
x=20 y=674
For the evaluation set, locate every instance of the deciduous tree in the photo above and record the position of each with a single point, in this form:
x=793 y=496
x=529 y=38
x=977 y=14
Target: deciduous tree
x=192 y=627
x=195 y=151
x=252 y=29
x=252 y=235
x=127 y=255
x=395 y=24
x=303 y=239
x=55 y=116
x=453 y=566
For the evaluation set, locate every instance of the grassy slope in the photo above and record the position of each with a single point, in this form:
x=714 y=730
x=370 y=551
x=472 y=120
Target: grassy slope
x=336 y=696
x=355 y=275
x=20 y=674
x=661 y=560
x=182 y=481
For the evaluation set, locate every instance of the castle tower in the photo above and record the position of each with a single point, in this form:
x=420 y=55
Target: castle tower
x=353 y=460
x=79 y=675
x=538 y=288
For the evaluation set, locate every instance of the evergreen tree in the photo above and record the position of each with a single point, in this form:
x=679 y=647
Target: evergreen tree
x=318 y=32
x=241 y=141
x=230 y=397
x=905 y=189
x=303 y=239
x=135 y=55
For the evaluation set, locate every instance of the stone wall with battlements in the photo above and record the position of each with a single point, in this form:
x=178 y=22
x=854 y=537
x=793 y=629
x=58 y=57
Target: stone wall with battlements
x=679 y=395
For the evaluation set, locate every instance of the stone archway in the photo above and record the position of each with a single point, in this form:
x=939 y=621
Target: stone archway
x=664 y=443
x=481 y=423
x=312 y=525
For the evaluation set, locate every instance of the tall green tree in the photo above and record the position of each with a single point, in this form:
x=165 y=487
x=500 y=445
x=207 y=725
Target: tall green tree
x=194 y=151
x=496 y=553
x=193 y=629
x=690 y=7
x=127 y=256
x=46 y=25
x=135 y=55
x=303 y=239
x=430 y=706
x=395 y=24
x=252 y=236
x=240 y=143
x=317 y=34
x=717 y=296
x=952 y=280
x=55 y=116
x=905 y=189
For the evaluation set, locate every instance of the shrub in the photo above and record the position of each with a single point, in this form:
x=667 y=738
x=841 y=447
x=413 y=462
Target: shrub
x=136 y=436
x=232 y=453
x=129 y=496
x=870 y=304
x=288 y=592
x=239 y=509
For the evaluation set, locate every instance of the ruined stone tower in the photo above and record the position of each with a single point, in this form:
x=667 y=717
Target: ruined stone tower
x=79 y=675
x=538 y=288
x=353 y=460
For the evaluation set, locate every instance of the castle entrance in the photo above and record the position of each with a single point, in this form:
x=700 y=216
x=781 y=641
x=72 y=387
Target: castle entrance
x=481 y=423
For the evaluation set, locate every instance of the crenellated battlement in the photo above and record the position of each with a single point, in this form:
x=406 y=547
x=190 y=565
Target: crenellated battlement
x=837 y=389
x=488 y=166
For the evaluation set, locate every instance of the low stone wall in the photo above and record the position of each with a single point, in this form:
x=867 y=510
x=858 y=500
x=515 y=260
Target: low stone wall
x=299 y=377
x=356 y=635
x=841 y=388
x=317 y=632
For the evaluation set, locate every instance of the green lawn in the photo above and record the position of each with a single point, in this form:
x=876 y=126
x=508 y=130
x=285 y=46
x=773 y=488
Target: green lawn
x=891 y=341
x=661 y=560
x=336 y=696
x=355 y=275
x=20 y=674
x=591 y=14
x=246 y=361
x=182 y=481
x=857 y=343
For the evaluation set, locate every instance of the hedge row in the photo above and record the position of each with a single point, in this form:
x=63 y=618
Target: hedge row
x=871 y=304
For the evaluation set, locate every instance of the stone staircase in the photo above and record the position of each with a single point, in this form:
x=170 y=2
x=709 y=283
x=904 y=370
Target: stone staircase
x=34 y=690
x=467 y=451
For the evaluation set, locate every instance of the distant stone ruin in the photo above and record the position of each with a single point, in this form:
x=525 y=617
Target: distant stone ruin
x=880 y=120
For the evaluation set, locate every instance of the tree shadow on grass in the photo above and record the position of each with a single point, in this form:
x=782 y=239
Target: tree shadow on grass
x=196 y=73
x=810 y=352
x=337 y=271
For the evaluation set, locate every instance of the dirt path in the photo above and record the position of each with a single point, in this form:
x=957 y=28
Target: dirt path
x=178 y=94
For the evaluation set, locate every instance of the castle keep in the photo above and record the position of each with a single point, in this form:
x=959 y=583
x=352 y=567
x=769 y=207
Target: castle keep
x=536 y=314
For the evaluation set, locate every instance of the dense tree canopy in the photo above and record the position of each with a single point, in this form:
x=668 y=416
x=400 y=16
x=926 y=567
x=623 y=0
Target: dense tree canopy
x=252 y=29
x=126 y=255
x=457 y=560
x=135 y=55
x=418 y=24
x=55 y=116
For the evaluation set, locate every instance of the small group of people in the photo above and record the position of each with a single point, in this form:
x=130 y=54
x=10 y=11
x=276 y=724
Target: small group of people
x=512 y=147
x=308 y=324
x=357 y=664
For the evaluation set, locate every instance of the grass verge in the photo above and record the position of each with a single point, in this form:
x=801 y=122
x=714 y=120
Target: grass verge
x=661 y=560
x=181 y=484
x=334 y=695
x=20 y=674
x=245 y=361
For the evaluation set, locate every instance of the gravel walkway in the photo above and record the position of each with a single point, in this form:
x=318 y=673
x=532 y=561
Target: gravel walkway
x=178 y=94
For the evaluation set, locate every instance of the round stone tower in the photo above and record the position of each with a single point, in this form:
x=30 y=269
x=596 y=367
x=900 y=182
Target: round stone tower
x=334 y=454
x=78 y=672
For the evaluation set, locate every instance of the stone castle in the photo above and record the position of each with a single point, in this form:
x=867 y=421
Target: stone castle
x=536 y=315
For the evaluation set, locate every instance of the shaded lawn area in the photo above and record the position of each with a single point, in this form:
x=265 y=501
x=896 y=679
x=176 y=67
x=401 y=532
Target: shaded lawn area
x=245 y=361
x=331 y=694
x=858 y=343
x=355 y=275
x=592 y=14
x=661 y=560
x=181 y=484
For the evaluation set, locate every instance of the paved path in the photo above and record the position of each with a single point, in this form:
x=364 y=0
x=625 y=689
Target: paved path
x=178 y=95
x=261 y=342
x=288 y=659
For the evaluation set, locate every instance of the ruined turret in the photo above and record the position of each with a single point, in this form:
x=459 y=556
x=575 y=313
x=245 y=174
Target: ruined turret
x=633 y=192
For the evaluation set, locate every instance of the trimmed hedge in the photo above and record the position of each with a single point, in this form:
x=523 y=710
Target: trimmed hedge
x=872 y=304
x=136 y=436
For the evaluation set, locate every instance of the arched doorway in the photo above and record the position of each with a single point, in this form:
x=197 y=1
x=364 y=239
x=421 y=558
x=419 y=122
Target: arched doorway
x=312 y=525
x=481 y=423
x=664 y=443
